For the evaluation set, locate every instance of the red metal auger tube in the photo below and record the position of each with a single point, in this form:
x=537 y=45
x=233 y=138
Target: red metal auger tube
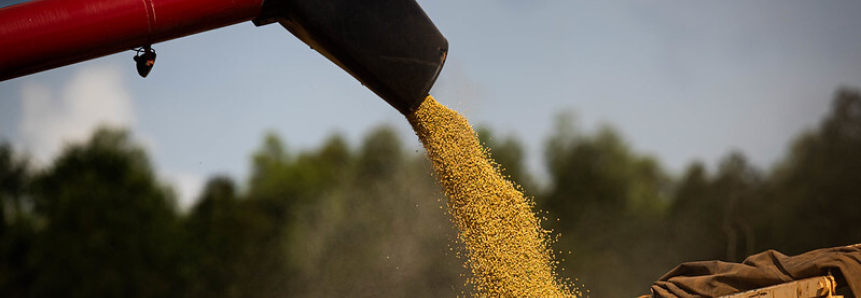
x=44 y=34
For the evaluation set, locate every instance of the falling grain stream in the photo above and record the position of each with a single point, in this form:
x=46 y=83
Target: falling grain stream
x=507 y=251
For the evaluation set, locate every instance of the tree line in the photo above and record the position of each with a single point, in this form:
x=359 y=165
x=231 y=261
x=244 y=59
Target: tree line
x=368 y=220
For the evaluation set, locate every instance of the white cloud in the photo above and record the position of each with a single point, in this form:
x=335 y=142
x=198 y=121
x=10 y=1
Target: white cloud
x=94 y=96
x=53 y=117
x=188 y=187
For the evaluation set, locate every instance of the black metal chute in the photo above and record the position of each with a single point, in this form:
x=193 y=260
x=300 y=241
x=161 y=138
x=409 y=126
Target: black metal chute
x=390 y=46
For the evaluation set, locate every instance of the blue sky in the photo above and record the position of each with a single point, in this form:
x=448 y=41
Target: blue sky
x=682 y=80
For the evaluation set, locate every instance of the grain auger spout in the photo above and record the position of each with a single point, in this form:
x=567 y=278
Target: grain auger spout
x=390 y=46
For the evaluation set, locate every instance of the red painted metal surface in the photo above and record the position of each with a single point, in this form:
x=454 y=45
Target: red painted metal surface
x=44 y=34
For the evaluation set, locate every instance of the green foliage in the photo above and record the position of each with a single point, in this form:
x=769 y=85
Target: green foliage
x=609 y=202
x=219 y=238
x=377 y=229
x=380 y=154
x=809 y=201
x=815 y=191
x=599 y=174
x=106 y=228
x=17 y=232
x=367 y=221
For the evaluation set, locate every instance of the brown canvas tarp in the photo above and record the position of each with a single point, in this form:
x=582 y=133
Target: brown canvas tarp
x=717 y=278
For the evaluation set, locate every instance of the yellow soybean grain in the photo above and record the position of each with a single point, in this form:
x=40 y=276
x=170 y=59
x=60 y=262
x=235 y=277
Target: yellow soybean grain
x=507 y=251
